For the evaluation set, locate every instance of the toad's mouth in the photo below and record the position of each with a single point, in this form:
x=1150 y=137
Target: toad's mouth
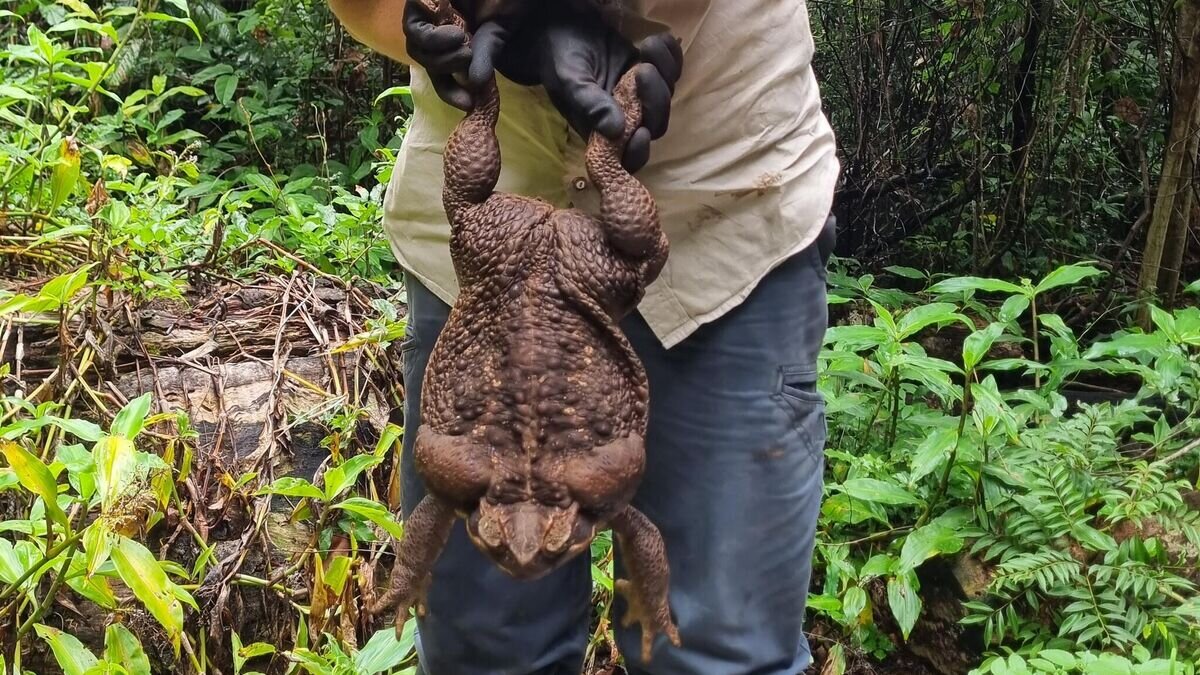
x=528 y=539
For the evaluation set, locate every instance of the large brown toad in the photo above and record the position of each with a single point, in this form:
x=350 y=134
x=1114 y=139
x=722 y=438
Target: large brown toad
x=533 y=412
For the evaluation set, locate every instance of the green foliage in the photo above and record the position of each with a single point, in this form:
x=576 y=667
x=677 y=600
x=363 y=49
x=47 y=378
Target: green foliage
x=1076 y=511
x=129 y=140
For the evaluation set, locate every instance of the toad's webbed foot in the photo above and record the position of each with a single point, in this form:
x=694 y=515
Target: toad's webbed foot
x=425 y=534
x=646 y=589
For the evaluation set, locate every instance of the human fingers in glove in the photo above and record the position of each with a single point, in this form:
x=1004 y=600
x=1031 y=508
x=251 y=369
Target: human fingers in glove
x=445 y=50
x=579 y=59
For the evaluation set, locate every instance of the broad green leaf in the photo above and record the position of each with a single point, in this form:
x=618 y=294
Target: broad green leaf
x=97 y=543
x=35 y=477
x=343 y=475
x=925 y=542
x=879 y=565
x=854 y=601
x=81 y=469
x=1058 y=657
x=387 y=439
x=977 y=344
x=81 y=429
x=375 y=512
x=1165 y=322
x=116 y=467
x=62 y=288
x=146 y=579
x=290 y=486
x=960 y=284
x=904 y=601
x=336 y=573
x=856 y=338
x=932 y=452
x=1193 y=287
x=1109 y=664
x=1092 y=538
x=64 y=178
x=403 y=91
x=72 y=656
x=129 y=421
x=383 y=652
x=907 y=272
x=842 y=508
x=123 y=647
x=884 y=318
x=914 y=320
x=878 y=491
x=1013 y=308
x=225 y=87
x=1066 y=275
x=1128 y=345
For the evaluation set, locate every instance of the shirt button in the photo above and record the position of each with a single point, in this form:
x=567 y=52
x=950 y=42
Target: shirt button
x=579 y=183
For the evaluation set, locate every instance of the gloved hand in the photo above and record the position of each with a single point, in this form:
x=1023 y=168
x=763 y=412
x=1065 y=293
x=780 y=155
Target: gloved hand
x=579 y=59
x=443 y=50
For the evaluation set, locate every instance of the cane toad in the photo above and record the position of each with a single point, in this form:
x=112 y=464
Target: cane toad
x=534 y=404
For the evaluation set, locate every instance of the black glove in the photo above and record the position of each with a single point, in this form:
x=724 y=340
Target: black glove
x=579 y=59
x=443 y=51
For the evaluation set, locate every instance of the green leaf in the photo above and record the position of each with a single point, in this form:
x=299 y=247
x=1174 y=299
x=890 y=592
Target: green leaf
x=1013 y=308
x=1193 y=287
x=878 y=491
x=81 y=429
x=343 y=475
x=143 y=575
x=907 y=272
x=336 y=573
x=97 y=543
x=904 y=601
x=854 y=601
x=856 y=338
x=35 y=477
x=1058 y=657
x=116 y=466
x=62 y=288
x=932 y=452
x=387 y=439
x=403 y=91
x=1067 y=275
x=977 y=344
x=225 y=87
x=128 y=422
x=926 y=542
x=374 y=512
x=123 y=647
x=926 y=315
x=960 y=284
x=72 y=656
x=383 y=651
x=290 y=486
x=1092 y=538
x=879 y=565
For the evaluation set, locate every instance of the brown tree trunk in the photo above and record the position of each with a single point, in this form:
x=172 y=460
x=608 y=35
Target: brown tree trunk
x=1163 y=255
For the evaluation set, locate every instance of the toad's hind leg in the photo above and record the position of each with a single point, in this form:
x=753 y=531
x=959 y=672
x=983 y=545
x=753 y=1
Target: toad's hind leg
x=425 y=535
x=646 y=589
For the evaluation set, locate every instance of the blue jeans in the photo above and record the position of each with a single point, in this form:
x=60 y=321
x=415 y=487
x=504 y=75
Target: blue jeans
x=735 y=456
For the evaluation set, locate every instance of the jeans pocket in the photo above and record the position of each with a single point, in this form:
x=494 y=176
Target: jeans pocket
x=796 y=392
x=797 y=386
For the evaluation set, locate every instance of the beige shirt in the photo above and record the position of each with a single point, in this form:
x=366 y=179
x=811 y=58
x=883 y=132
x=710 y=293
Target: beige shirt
x=744 y=177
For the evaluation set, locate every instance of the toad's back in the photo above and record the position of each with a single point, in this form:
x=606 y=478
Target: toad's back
x=529 y=361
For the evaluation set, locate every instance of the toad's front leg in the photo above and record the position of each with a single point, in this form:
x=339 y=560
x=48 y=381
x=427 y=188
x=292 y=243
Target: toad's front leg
x=425 y=535
x=649 y=577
